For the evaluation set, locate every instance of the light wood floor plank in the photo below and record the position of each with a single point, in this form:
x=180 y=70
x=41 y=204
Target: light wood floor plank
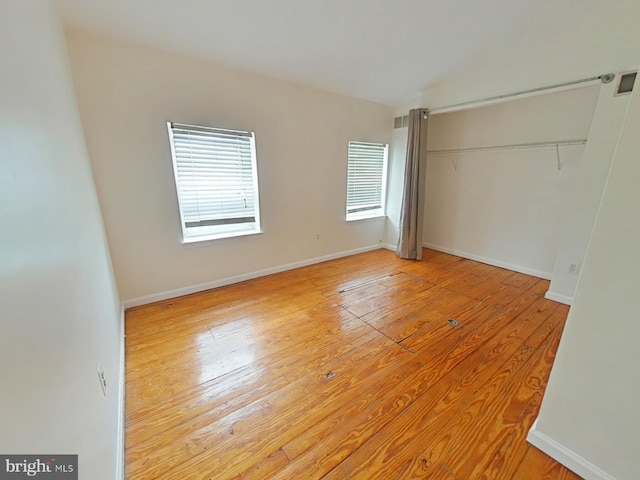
x=536 y=464
x=343 y=370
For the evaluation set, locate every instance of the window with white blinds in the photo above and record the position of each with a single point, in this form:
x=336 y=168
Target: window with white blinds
x=216 y=180
x=366 y=179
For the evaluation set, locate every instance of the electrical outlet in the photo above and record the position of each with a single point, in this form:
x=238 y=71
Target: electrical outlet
x=573 y=268
x=317 y=236
x=102 y=379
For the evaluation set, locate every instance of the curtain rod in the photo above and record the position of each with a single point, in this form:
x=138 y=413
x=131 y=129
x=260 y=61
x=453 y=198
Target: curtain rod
x=561 y=143
x=605 y=78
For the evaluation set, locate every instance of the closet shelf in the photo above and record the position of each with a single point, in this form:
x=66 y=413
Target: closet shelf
x=514 y=146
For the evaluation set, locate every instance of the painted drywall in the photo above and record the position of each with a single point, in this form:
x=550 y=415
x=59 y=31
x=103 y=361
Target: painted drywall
x=60 y=312
x=128 y=93
x=356 y=48
x=561 y=43
x=505 y=206
x=590 y=405
x=584 y=197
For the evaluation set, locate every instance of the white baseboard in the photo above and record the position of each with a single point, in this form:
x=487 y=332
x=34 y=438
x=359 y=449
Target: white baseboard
x=557 y=297
x=178 y=292
x=490 y=261
x=388 y=246
x=566 y=457
x=121 y=405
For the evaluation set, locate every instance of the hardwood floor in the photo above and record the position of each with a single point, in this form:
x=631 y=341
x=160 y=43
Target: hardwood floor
x=345 y=370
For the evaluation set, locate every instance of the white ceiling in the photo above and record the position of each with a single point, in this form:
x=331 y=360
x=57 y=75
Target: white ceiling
x=382 y=50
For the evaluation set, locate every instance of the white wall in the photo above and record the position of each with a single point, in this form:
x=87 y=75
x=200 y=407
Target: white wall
x=505 y=206
x=59 y=307
x=561 y=43
x=128 y=93
x=590 y=408
x=584 y=197
x=599 y=38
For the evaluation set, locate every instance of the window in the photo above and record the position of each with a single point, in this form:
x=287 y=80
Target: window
x=366 y=180
x=216 y=180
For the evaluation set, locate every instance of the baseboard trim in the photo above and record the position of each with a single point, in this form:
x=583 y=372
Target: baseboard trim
x=121 y=403
x=179 y=292
x=566 y=457
x=388 y=246
x=557 y=297
x=490 y=261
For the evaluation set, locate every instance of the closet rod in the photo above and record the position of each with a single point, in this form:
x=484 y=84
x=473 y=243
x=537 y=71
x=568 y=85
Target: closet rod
x=605 y=78
x=513 y=146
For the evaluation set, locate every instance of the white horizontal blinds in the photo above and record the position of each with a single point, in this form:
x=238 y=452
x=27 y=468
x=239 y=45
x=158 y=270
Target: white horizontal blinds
x=215 y=175
x=365 y=176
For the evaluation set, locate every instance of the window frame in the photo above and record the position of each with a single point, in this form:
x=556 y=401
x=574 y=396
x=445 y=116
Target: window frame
x=372 y=213
x=215 y=232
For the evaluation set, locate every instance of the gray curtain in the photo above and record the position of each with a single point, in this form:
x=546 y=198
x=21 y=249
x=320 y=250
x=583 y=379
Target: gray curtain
x=412 y=213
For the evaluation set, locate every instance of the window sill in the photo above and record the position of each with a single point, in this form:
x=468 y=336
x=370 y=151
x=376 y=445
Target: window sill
x=218 y=236
x=367 y=216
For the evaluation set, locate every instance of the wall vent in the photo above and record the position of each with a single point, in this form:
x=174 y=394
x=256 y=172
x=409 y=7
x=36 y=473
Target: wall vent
x=625 y=85
x=401 y=122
